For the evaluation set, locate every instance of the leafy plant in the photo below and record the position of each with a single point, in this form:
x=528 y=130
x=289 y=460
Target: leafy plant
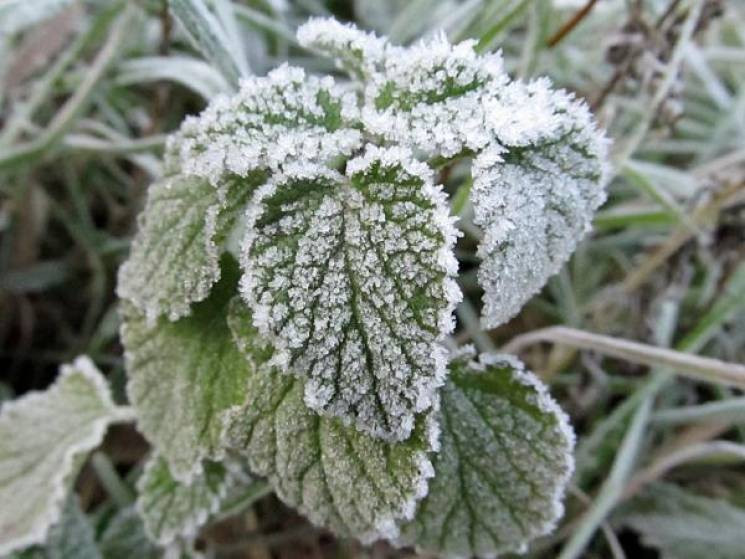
x=290 y=292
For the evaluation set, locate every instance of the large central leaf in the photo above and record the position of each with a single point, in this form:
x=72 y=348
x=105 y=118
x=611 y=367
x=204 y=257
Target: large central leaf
x=352 y=278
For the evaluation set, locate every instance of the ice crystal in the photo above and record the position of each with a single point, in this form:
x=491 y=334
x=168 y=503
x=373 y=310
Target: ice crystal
x=504 y=462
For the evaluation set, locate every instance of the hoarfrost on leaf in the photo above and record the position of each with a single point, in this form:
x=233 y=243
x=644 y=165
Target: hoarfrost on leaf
x=44 y=438
x=534 y=193
x=352 y=278
x=174 y=259
x=504 y=461
x=171 y=509
x=358 y=52
x=340 y=478
x=183 y=376
x=273 y=120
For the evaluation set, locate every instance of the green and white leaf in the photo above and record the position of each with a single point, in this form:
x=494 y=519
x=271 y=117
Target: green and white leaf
x=190 y=72
x=44 y=438
x=171 y=509
x=212 y=38
x=534 y=192
x=273 y=120
x=124 y=538
x=175 y=256
x=73 y=537
x=359 y=53
x=429 y=96
x=351 y=278
x=683 y=525
x=183 y=376
x=504 y=461
x=341 y=479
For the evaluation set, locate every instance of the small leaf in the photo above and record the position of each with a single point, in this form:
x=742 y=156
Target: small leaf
x=211 y=38
x=339 y=478
x=504 y=461
x=429 y=96
x=73 y=536
x=282 y=117
x=183 y=376
x=351 y=277
x=44 y=437
x=171 y=509
x=534 y=193
x=683 y=525
x=174 y=259
x=124 y=538
x=358 y=52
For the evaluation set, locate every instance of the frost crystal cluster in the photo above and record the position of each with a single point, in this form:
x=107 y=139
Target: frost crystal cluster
x=292 y=283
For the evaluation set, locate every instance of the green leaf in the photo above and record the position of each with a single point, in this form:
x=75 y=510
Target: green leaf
x=73 y=536
x=183 y=376
x=44 y=438
x=534 y=192
x=683 y=525
x=211 y=38
x=504 y=461
x=359 y=53
x=171 y=509
x=282 y=118
x=344 y=480
x=350 y=277
x=429 y=96
x=341 y=479
x=124 y=538
x=174 y=259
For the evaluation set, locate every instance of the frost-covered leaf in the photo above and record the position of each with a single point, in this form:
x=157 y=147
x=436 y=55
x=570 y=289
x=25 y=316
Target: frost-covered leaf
x=124 y=538
x=73 y=536
x=183 y=375
x=171 y=509
x=174 y=259
x=535 y=193
x=282 y=117
x=504 y=460
x=358 y=52
x=683 y=525
x=44 y=437
x=430 y=96
x=351 y=277
x=339 y=478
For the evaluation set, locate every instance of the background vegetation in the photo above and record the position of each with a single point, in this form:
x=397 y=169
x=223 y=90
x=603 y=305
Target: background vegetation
x=624 y=334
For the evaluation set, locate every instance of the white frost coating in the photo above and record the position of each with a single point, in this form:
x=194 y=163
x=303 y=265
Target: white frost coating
x=359 y=52
x=505 y=461
x=534 y=196
x=43 y=439
x=340 y=478
x=430 y=96
x=273 y=120
x=352 y=279
x=171 y=509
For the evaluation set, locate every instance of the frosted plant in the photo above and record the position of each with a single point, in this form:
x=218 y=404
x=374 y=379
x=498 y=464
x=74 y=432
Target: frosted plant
x=291 y=289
